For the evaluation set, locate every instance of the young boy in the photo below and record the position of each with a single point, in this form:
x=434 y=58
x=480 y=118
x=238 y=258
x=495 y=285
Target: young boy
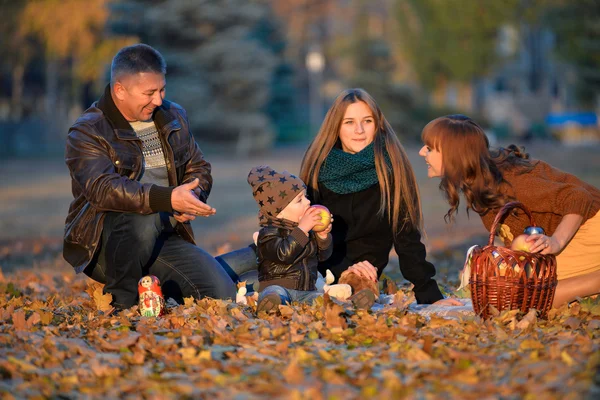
x=288 y=251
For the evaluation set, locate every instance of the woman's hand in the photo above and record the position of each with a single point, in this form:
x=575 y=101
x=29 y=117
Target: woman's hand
x=364 y=269
x=563 y=234
x=448 y=302
x=543 y=244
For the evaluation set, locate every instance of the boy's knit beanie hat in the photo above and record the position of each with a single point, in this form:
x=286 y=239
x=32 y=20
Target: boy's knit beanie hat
x=273 y=191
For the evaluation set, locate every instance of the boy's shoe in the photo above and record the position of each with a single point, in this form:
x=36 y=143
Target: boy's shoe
x=269 y=303
x=363 y=299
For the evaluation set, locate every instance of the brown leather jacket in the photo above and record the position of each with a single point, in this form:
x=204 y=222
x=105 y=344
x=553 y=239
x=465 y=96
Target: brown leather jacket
x=104 y=157
x=288 y=258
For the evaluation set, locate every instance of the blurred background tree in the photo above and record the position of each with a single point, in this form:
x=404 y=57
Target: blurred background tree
x=225 y=64
x=240 y=67
x=452 y=40
x=16 y=50
x=452 y=44
x=282 y=104
x=57 y=48
x=577 y=28
x=75 y=48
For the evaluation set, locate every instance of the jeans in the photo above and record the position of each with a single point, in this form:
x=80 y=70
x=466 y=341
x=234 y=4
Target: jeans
x=241 y=265
x=290 y=295
x=135 y=245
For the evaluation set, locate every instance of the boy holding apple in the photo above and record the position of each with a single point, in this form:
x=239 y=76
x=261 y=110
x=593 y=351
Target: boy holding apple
x=292 y=240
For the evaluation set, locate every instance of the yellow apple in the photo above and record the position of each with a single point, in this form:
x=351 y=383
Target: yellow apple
x=502 y=267
x=520 y=244
x=325 y=215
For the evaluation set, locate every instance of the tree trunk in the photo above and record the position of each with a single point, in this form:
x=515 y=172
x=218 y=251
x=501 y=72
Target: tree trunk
x=54 y=110
x=51 y=87
x=16 y=108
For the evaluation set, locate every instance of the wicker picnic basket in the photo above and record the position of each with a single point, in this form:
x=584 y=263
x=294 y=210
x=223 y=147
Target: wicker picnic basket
x=509 y=279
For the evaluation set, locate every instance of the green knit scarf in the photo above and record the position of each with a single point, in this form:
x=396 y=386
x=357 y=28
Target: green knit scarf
x=345 y=173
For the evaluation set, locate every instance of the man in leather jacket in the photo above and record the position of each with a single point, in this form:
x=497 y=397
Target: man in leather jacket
x=138 y=179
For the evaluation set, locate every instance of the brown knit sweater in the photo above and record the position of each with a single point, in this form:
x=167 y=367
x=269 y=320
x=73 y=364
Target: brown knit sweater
x=549 y=194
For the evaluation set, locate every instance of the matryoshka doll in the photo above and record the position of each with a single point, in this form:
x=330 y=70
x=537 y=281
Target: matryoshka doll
x=152 y=302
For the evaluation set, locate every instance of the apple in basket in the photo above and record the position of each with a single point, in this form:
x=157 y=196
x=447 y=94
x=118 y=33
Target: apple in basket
x=528 y=269
x=520 y=243
x=325 y=215
x=502 y=266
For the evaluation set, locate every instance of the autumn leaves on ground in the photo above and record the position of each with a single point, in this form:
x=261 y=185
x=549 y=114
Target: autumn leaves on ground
x=56 y=339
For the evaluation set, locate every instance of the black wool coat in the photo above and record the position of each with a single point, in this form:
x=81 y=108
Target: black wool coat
x=360 y=235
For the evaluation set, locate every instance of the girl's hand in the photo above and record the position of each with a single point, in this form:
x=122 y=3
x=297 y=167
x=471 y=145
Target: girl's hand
x=543 y=244
x=448 y=302
x=554 y=244
x=310 y=218
x=364 y=269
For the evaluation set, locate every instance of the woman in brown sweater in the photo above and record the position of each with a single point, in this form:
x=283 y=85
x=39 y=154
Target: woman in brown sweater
x=457 y=150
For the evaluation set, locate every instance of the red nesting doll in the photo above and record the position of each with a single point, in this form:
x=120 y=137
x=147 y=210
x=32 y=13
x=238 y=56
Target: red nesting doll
x=152 y=302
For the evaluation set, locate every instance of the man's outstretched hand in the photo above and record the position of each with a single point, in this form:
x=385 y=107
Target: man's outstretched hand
x=184 y=201
x=183 y=218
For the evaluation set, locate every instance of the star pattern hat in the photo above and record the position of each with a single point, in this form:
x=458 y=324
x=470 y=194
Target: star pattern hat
x=273 y=190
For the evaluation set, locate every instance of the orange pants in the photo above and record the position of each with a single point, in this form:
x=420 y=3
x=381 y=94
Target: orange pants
x=582 y=254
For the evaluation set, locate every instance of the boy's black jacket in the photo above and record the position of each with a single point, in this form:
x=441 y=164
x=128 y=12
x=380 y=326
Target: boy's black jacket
x=288 y=258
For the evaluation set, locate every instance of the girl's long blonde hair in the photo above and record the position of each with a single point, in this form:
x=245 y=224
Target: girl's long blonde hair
x=397 y=184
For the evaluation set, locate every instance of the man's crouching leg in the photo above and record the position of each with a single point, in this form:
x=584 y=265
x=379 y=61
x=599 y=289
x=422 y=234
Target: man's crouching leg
x=129 y=245
x=185 y=270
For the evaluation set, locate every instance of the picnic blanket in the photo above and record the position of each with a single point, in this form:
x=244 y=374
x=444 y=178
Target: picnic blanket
x=450 y=312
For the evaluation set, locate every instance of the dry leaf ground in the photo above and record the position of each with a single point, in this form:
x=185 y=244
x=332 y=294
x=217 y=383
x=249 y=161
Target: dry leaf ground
x=57 y=341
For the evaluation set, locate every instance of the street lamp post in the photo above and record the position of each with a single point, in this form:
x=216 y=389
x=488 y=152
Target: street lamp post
x=315 y=63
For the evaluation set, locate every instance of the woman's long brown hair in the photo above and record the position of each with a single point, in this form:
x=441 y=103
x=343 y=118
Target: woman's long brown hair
x=397 y=185
x=468 y=165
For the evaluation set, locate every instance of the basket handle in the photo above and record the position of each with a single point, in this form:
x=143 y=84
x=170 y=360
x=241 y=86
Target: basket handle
x=504 y=210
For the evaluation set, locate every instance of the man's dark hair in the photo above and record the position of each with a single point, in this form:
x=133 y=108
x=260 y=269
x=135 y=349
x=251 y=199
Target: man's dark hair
x=135 y=59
